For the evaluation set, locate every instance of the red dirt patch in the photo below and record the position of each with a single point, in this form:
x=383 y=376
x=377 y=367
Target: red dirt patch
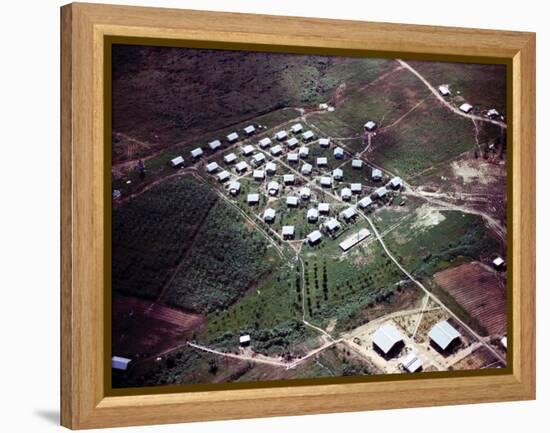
x=143 y=328
x=480 y=291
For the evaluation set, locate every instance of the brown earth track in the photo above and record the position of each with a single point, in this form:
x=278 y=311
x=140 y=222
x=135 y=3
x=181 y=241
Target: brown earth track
x=143 y=328
x=480 y=291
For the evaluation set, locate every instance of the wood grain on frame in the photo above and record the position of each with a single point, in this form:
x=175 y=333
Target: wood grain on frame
x=84 y=28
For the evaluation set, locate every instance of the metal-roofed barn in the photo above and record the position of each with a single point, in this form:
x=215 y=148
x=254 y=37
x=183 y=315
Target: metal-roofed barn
x=248 y=150
x=444 y=335
x=326 y=181
x=269 y=215
x=244 y=340
x=322 y=161
x=444 y=90
x=338 y=174
x=387 y=340
x=354 y=239
x=356 y=188
x=303 y=152
x=314 y=237
x=338 y=153
x=292 y=143
x=288 y=179
x=241 y=167
x=292 y=201
x=223 y=176
x=276 y=150
x=465 y=108
x=308 y=135
x=324 y=142
x=376 y=174
x=212 y=167
x=281 y=135
x=273 y=187
x=348 y=214
x=370 y=125
x=332 y=225
x=306 y=169
x=264 y=142
x=258 y=158
x=196 y=153
x=365 y=202
x=258 y=174
x=323 y=208
x=270 y=168
x=292 y=157
x=312 y=215
x=381 y=192
x=356 y=163
x=288 y=232
x=297 y=127
x=230 y=158
x=396 y=182
x=345 y=194
x=234 y=187
x=305 y=193
x=232 y=137
x=215 y=144
x=177 y=161
x=249 y=130
x=253 y=198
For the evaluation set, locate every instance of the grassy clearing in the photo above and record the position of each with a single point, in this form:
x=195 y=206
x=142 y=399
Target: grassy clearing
x=429 y=135
x=483 y=86
x=426 y=249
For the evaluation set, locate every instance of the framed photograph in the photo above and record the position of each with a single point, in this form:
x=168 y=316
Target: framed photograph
x=265 y=215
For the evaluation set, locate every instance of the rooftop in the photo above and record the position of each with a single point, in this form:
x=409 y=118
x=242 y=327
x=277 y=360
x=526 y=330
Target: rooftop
x=386 y=337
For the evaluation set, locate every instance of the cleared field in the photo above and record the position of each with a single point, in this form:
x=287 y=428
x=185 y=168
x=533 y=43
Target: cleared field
x=480 y=291
x=152 y=233
x=429 y=135
x=143 y=328
x=480 y=358
x=483 y=86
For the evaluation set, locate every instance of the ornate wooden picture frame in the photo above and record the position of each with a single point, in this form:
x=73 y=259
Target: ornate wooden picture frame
x=88 y=32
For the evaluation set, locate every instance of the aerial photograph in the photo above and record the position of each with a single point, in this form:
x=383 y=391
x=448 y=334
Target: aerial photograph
x=282 y=216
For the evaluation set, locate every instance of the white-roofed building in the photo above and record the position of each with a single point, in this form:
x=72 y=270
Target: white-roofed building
x=258 y=158
x=212 y=167
x=308 y=135
x=356 y=163
x=396 y=182
x=444 y=90
x=465 y=108
x=499 y=263
x=297 y=127
x=248 y=150
x=177 y=161
x=324 y=142
x=196 y=153
x=288 y=232
x=443 y=335
x=365 y=202
x=253 y=198
x=345 y=194
x=244 y=340
x=292 y=143
x=303 y=152
x=288 y=179
x=332 y=225
x=325 y=181
x=276 y=150
x=281 y=135
x=305 y=193
x=223 y=176
x=504 y=342
x=338 y=174
x=324 y=208
x=234 y=187
x=258 y=174
x=356 y=188
x=338 y=153
x=232 y=137
x=387 y=339
x=412 y=363
x=264 y=142
x=348 y=214
x=249 y=130
x=312 y=215
x=292 y=157
x=120 y=363
x=492 y=113
x=292 y=201
x=273 y=187
x=322 y=161
x=370 y=125
x=230 y=158
x=376 y=174
x=215 y=144
x=241 y=167
x=323 y=106
x=269 y=215
x=354 y=239
x=306 y=169
x=271 y=168
x=381 y=192
x=314 y=237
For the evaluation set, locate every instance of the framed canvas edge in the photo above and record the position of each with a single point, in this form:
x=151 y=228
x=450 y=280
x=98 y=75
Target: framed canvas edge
x=83 y=401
